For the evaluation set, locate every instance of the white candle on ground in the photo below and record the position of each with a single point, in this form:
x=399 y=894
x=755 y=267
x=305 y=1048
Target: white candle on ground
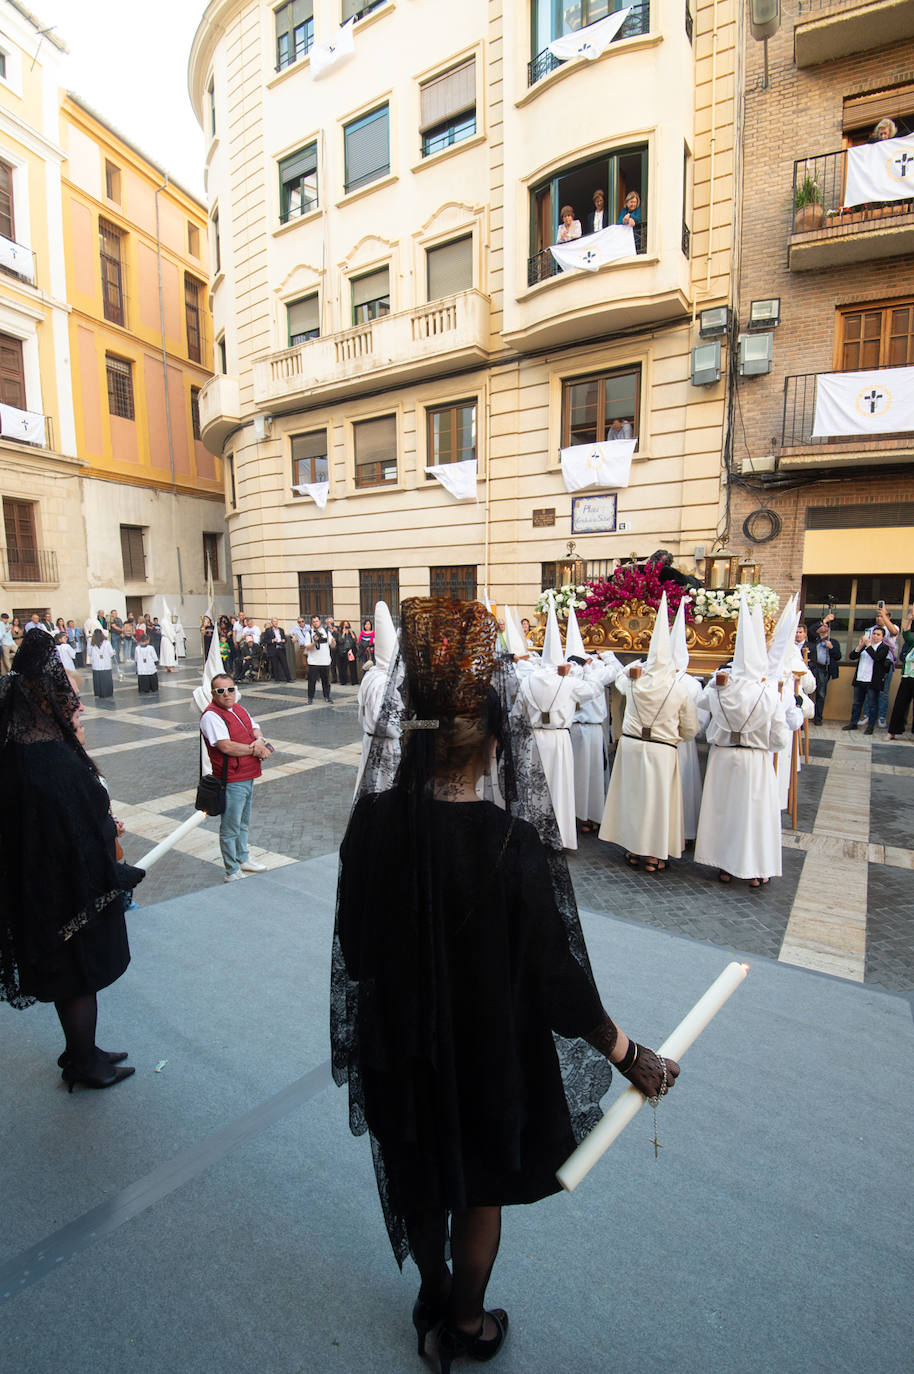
x=170 y=840
x=626 y=1107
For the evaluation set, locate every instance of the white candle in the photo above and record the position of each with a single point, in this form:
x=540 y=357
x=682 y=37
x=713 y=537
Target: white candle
x=626 y=1107
x=170 y=840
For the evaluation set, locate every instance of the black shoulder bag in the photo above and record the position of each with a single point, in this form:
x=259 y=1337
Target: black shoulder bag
x=211 y=790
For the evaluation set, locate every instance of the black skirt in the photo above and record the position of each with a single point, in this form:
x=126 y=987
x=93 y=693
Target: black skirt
x=93 y=959
x=147 y=682
x=103 y=682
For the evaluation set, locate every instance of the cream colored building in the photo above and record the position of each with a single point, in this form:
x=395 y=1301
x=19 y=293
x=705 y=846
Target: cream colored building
x=384 y=298
x=43 y=545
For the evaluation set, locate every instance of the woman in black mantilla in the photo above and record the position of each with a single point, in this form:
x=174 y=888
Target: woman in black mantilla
x=464 y=1014
x=62 y=931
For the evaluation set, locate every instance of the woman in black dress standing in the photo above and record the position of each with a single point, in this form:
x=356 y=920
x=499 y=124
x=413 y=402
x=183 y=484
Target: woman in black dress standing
x=347 y=655
x=62 y=931
x=464 y=1015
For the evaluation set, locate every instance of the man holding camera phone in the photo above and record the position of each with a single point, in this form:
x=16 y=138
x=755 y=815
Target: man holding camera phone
x=317 y=647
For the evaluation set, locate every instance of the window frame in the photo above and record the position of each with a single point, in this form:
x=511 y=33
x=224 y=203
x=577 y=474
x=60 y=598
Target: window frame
x=20 y=537
x=211 y=554
x=883 y=307
x=217 y=242
x=192 y=318
x=361 y=483
x=632 y=369
x=122 y=367
x=456 y=586
x=211 y=97
x=13 y=377
x=8 y=212
x=453 y=129
x=378 y=584
x=351 y=126
x=128 y=550
x=231 y=490
x=294 y=340
x=545 y=198
x=112 y=272
x=317 y=586
x=193 y=239
x=299 y=459
x=195 y=414
x=432 y=459
x=293 y=54
x=288 y=184
x=372 y=314
x=112 y=182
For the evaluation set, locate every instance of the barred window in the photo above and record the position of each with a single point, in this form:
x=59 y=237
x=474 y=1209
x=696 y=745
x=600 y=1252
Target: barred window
x=315 y=593
x=458 y=582
x=195 y=412
x=378 y=584
x=109 y=242
x=120 y=387
x=192 y=319
x=448 y=108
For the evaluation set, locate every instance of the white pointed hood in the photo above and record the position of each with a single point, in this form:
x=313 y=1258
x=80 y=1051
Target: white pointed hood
x=785 y=633
x=750 y=659
x=385 y=636
x=678 y=646
x=574 y=644
x=552 y=655
x=514 y=634
x=659 y=657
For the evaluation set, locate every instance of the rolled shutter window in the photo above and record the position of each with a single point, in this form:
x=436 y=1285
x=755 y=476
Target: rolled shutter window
x=375 y=286
x=368 y=148
x=446 y=96
x=376 y=443
x=304 y=317
x=450 y=268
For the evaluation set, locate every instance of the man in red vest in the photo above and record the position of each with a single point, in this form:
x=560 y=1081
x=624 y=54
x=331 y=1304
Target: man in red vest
x=232 y=735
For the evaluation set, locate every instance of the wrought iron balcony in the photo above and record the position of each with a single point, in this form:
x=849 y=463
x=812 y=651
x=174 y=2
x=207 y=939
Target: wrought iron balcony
x=29 y=565
x=801 y=448
x=17 y=260
x=26 y=427
x=638 y=22
x=541 y=266
x=823 y=233
x=828 y=29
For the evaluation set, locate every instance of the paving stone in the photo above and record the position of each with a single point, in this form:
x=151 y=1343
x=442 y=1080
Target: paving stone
x=897 y=753
x=890 y=921
x=891 y=817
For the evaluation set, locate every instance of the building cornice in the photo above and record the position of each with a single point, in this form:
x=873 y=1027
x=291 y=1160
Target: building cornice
x=212 y=27
x=78 y=112
x=29 y=136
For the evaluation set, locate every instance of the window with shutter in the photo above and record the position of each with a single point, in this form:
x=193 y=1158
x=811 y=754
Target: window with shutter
x=375 y=443
x=109 y=240
x=303 y=319
x=21 y=540
x=371 y=296
x=294 y=32
x=192 y=319
x=309 y=458
x=357 y=9
x=298 y=183
x=876 y=336
x=7 y=218
x=120 y=386
x=448 y=108
x=133 y=553
x=451 y=434
x=12 y=372
x=367 y=148
x=195 y=412
x=449 y=268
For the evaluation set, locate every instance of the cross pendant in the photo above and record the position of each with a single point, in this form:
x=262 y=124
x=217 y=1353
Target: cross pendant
x=655 y=1142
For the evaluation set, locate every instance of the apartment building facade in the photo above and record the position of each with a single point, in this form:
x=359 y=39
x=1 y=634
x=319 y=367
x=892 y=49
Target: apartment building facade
x=832 y=513
x=140 y=343
x=42 y=546
x=384 y=298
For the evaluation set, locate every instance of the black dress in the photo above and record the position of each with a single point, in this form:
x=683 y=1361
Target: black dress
x=62 y=930
x=453 y=997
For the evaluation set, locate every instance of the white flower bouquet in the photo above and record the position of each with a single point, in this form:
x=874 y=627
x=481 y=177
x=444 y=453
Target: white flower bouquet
x=724 y=605
x=569 y=595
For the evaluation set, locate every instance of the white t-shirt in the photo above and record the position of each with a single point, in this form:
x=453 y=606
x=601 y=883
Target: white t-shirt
x=146 y=659
x=100 y=656
x=214 y=728
x=865 y=667
x=252 y=630
x=67 y=655
x=318 y=655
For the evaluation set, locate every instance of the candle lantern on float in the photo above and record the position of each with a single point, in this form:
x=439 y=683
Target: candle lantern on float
x=571 y=569
x=721 y=570
x=748 y=572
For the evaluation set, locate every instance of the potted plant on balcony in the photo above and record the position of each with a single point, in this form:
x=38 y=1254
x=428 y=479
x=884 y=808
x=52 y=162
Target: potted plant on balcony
x=809 y=211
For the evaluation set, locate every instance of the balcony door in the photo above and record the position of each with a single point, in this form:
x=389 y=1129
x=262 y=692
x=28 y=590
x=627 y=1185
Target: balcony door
x=21 y=540
x=875 y=336
x=615 y=174
x=12 y=373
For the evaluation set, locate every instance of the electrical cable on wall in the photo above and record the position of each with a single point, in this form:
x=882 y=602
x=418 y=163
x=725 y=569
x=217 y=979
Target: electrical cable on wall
x=762 y=525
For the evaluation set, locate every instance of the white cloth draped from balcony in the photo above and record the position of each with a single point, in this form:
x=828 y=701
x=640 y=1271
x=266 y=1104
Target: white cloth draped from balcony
x=876 y=402
x=325 y=56
x=880 y=171
x=592 y=252
x=21 y=424
x=17 y=258
x=318 y=491
x=597 y=465
x=457 y=478
x=591 y=41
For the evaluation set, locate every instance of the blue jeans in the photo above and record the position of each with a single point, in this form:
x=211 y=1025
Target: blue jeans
x=233 y=827
x=864 y=692
x=884 y=694
x=116 y=645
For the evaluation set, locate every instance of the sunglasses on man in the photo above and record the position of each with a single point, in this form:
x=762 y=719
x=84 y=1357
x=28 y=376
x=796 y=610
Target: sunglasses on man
x=223 y=691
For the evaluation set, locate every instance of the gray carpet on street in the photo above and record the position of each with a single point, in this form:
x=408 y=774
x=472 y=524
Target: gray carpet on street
x=217 y=1215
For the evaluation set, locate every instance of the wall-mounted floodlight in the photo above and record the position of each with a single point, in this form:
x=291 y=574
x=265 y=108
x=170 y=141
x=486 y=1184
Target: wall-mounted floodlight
x=756 y=352
x=764 y=22
x=715 y=323
x=764 y=314
x=263 y=427
x=706 y=364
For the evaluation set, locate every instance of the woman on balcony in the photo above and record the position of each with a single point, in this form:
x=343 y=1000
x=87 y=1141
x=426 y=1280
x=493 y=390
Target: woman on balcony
x=631 y=210
x=570 y=228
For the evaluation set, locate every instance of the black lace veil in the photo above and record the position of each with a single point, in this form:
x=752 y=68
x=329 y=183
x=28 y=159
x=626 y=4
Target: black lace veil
x=518 y=785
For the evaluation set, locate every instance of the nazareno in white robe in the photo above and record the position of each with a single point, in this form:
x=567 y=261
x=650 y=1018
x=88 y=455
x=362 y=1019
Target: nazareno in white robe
x=739 y=829
x=544 y=692
x=587 y=743
x=643 y=811
x=167 y=655
x=690 y=768
x=372 y=690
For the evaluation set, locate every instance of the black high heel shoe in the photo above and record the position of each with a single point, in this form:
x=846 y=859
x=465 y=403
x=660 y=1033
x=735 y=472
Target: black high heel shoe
x=72 y=1076
x=425 y=1319
x=109 y=1056
x=457 y=1345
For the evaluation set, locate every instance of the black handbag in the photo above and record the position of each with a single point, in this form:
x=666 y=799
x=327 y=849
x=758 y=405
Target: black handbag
x=211 y=790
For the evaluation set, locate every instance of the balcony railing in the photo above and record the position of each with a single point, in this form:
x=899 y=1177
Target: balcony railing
x=686 y=240
x=820 y=232
x=541 y=266
x=16 y=259
x=26 y=427
x=638 y=22
x=800 y=412
x=28 y=565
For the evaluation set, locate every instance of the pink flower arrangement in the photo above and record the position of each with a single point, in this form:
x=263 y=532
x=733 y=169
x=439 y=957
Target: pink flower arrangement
x=632 y=584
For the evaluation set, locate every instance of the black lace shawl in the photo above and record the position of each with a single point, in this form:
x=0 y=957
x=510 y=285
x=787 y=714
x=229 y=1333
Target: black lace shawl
x=58 y=872
x=461 y=983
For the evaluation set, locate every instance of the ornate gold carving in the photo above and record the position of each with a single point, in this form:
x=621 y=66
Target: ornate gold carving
x=627 y=629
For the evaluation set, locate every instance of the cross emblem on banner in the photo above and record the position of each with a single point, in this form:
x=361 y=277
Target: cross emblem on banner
x=589 y=256
x=873 y=400
x=585 y=48
x=595 y=459
x=903 y=161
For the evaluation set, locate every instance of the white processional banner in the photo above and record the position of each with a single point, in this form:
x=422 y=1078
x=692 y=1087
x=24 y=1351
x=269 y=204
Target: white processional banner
x=325 y=56
x=879 y=402
x=592 y=252
x=17 y=258
x=21 y=424
x=591 y=41
x=318 y=491
x=457 y=478
x=598 y=465
x=880 y=171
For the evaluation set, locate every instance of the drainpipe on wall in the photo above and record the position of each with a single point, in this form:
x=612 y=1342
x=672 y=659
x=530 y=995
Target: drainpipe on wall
x=171 y=442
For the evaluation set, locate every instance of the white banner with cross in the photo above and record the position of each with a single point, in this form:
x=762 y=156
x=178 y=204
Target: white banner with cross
x=880 y=171
x=877 y=402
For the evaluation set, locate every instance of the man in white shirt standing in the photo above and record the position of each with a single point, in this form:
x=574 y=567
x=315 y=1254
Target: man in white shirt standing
x=317 y=645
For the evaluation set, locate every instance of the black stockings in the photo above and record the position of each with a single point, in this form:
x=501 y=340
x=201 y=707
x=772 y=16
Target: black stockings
x=78 y=1017
x=475 y=1235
